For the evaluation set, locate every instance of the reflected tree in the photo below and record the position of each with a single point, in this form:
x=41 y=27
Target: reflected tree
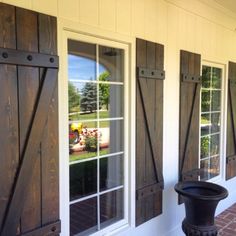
x=88 y=100
x=74 y=98
x=104 y=89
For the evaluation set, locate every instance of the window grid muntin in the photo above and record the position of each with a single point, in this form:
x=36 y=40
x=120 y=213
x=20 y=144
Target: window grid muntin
x=98 y=157
x=210 y=113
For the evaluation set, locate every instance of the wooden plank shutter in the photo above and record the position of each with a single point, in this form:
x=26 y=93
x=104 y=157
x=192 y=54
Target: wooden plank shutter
x=189 y=115
x=231 y=123
x=149 y=125
x=29 y=178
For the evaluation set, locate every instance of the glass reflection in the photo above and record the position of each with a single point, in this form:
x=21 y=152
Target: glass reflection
x=82 y=101
x=113 y=60
x=83 y=179
x=210 y=167
x=215 y=122
x=83 y=217
x=215 y=144
x=111 y=98
x=111 y=207
x=206 y=76
x=111 y=174
x=111 y=136
x=216 y=78
x=81 y=60
x=83 y=140
x=215 y=100
x=205 y=124
x=205 y=102
x=205 y=144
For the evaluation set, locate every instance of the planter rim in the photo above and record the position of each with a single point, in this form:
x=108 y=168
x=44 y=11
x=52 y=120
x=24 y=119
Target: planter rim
x=182 y=189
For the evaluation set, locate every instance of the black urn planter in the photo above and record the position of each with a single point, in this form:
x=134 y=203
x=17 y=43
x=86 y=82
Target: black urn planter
x=200 y=200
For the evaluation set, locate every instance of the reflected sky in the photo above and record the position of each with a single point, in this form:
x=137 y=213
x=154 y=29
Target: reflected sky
x=81 y=68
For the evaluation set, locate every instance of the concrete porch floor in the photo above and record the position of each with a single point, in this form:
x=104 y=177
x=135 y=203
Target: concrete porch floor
x=226 y=222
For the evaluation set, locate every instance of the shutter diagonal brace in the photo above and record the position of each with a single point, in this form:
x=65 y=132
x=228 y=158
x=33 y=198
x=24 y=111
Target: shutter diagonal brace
x=146 y=107
x=188 y=129
x=27 y=163
x=232 y=114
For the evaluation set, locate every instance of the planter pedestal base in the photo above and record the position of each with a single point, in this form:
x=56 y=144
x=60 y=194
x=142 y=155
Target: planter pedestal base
x=190 y=230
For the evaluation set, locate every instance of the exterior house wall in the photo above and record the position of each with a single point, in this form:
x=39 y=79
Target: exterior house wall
x=199 y=26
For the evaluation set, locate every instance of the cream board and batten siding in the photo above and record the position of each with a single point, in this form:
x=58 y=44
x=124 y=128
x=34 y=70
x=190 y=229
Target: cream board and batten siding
x=199 y=26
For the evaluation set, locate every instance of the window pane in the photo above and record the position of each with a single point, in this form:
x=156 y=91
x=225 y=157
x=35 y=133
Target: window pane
x=216 y=78
x=210 y=168
x=82 y=101
x=205 y=103
x=83 y=139
x=83 y=179
x=205 y=124
x=215 y=100
x=88 y=101
x=111 y=172
x=215 y=144
x=111 y=99
x=215 y=122
x=96 y=111
x=81 y=60
x=214 y=166
x=111 y=64
x=112 y=136
x=210 y=121
x=83 y=217
x=111 y=207
x=206 y=76
x=205 y=142
x=204 y=167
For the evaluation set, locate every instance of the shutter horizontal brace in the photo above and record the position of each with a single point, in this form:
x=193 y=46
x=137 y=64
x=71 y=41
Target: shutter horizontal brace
x=193 y=174
x=191 y=78
x=230 y=159
x=24 y=58
x=150 y=73
x=46 y=230
x=148 y=190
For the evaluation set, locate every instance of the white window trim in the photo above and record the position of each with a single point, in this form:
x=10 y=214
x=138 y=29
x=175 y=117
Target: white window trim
x=129 y=127
x=223 y=120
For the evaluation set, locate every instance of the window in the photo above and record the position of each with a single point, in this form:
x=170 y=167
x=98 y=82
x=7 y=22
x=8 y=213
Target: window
x=211 y=125
x=96 y=83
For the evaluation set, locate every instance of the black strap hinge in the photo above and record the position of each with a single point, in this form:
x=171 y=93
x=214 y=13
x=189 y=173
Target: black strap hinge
x=230 y=159
x=191 y=78
x=150 y=73
x=149 y=190
x=23 y=58
x=191 y=175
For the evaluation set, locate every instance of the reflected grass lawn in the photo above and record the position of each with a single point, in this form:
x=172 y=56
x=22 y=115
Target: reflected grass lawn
x=89 y=116
x=86 y=155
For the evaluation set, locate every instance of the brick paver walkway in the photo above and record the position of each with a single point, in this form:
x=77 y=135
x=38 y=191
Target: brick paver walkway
x=226 y=222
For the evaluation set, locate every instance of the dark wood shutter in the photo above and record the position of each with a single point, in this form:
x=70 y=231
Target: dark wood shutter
x=231 y=123
x=149 y=130
x=190 y=66
x=29 y=196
